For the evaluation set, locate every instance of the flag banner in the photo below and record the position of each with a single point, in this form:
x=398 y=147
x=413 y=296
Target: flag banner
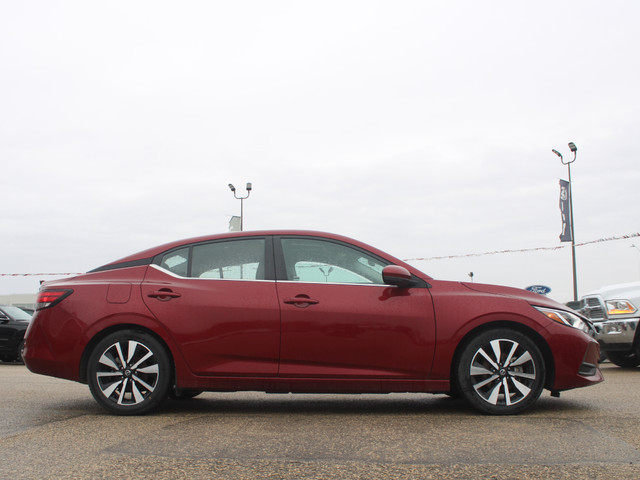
x=567 y=226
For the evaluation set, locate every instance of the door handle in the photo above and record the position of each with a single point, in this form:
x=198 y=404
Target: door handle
x=301 y=301
x=164 y=295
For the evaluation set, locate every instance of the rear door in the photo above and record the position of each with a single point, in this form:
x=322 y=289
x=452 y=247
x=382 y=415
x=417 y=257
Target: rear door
x=218 y=300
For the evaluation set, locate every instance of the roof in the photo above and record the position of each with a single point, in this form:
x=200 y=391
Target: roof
x=152 y=252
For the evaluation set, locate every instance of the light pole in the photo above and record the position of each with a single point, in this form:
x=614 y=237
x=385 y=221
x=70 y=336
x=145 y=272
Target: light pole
x=574 y=149
x=634 y=246
x=233 y=189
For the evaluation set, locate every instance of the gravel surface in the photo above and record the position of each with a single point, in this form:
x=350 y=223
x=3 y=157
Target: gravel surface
x=52 y=428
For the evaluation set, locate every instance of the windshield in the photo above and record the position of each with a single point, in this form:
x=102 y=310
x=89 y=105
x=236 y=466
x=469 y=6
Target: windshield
x=16 y=313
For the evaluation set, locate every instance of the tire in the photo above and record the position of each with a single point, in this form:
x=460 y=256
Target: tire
x=19 y=356
x=129 y=373
x=501 y=372
x=603 y=357
x=624 y=359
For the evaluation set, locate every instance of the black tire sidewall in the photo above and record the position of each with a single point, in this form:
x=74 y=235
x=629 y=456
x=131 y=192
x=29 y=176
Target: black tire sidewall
x=19 y=355
x=465 y=384
x=624 y=359
x=164 y=383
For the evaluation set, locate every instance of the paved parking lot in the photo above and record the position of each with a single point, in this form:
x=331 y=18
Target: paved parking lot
x=52 y=428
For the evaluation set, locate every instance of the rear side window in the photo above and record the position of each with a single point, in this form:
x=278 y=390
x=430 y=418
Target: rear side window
x=177 y=262
x=231 y=260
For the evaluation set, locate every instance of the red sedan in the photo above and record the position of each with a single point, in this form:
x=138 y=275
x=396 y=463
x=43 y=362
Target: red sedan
x=298 y=311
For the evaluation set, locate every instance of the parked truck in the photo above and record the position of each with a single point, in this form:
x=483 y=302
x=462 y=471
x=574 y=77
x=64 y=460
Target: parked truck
x=614 y=312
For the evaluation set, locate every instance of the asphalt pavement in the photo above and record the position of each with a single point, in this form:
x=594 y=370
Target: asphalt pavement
x=51 y=428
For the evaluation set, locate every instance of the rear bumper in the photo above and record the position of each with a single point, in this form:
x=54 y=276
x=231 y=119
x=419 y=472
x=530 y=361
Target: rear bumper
x=40 y=358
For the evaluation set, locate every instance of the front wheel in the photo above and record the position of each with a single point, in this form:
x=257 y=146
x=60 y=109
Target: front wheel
x=501 y=372
x=129 y=372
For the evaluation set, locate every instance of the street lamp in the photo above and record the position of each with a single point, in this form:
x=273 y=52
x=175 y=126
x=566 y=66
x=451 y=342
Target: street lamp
x=574 y=149
x=633 y=245
x=233 y=189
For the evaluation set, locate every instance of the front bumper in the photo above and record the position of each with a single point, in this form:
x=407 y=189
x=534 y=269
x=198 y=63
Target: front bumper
x=616 y=334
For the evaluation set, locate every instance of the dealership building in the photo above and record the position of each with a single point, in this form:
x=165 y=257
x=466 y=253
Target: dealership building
x=22 y=300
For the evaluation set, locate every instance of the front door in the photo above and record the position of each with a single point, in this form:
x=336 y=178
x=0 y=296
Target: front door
x=340 y=320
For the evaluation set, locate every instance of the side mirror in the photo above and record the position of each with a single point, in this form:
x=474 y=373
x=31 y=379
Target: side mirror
x=396 y=275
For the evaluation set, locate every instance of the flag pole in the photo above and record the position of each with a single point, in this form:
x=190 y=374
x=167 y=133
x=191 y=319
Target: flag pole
x=563 y=236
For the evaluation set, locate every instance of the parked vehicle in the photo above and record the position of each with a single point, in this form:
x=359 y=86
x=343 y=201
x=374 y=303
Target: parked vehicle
x=614 y=312
x=13 y=325
x=298 y=311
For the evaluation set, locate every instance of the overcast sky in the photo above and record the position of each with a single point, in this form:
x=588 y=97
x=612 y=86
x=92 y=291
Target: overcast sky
x=424 y=128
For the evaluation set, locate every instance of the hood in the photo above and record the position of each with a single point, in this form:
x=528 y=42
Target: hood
x=620 y=290
x=518 y=293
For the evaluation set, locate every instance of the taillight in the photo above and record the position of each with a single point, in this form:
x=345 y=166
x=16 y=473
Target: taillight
x=49 y=298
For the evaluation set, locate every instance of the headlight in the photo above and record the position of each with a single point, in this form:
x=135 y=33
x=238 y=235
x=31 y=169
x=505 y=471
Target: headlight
x=620 y=307
x=566 y=318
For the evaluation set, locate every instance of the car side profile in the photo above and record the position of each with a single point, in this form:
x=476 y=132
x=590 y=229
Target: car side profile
x=305 y=312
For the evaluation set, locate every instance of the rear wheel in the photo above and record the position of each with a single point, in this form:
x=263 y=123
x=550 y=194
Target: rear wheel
x=624 y=359
x=129 y=372
x=501 y=372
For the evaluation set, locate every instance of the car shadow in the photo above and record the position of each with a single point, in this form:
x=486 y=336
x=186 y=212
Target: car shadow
x=255 y=404
x=319 y=404
x=393 y=404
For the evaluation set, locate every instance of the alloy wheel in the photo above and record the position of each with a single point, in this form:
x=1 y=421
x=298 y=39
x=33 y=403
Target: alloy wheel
x=503 y=372
x=127 y=372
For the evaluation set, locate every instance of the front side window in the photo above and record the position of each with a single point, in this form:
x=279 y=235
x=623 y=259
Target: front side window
x=323 y=261
x=232 y=260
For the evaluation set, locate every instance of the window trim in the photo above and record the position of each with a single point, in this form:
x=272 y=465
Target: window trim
x=116 y=266
x=198 y=279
